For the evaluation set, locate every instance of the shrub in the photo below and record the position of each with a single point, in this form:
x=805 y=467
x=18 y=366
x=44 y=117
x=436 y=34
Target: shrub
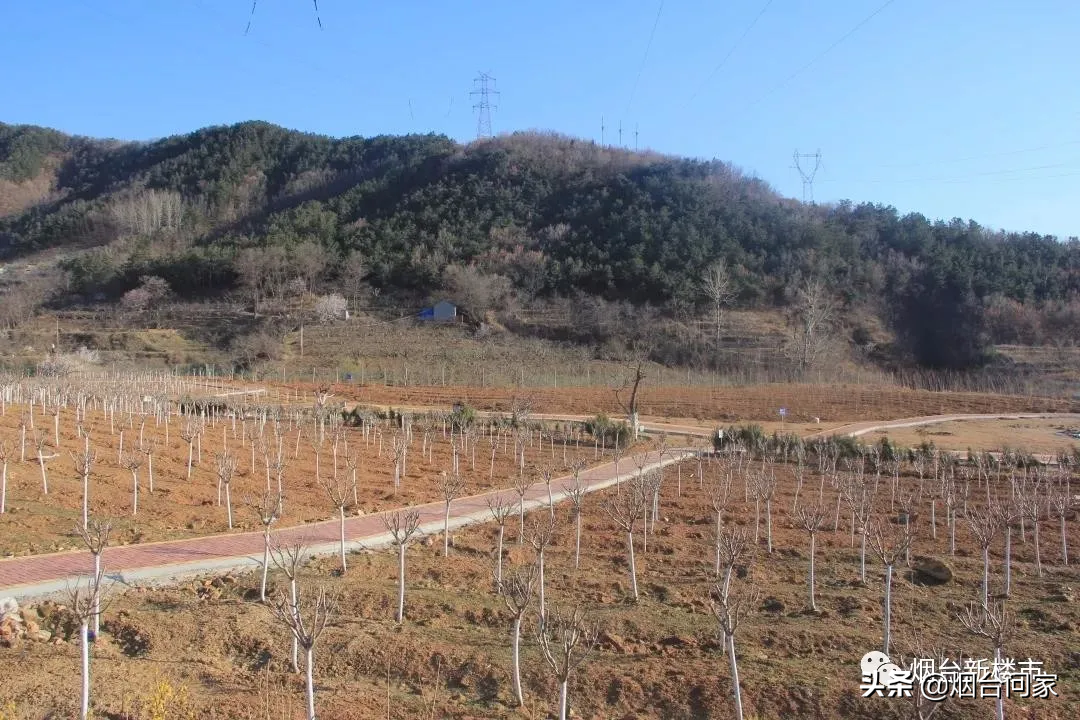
x=607 y=430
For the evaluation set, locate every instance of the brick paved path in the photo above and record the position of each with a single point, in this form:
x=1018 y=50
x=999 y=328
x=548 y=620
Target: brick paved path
x=43 y=574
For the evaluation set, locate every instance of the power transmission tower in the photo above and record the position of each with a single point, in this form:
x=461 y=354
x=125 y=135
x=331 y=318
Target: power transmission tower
x=620 y=133
x=635 y=137
x=601 y=131
x=485 y=89
x=807 y=175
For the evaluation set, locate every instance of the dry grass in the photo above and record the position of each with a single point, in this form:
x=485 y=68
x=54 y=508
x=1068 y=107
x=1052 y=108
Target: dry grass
x=1045 y=437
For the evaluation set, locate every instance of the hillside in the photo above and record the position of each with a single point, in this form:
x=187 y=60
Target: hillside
x=600 y=238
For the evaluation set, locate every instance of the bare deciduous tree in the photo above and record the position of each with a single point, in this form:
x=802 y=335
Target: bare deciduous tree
x=576 y=494
x=85 y=604
x=730 y=608
x=566 y=638
x=189 y=432
x=889 y=547
x=500 y=510
x=131 y=462
x=717 y=286
x=266 y=509
x=5 y=454
x=984 y=526
x=542 y=535
x=995 y=623
x=287 y=558
x=450 y=487
x=84 y=463
x=521 y=487
x=625 y=508
x=811 y=519
x=340 y=493
x=95 y=535
x=226 y=468
x=402 y=526
x=517 y=592
x=306 y=630
x=815 y=311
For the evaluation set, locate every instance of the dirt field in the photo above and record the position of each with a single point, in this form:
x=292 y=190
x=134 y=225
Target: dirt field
x=1046 y=437
x=36 y=522
x=829 y=403
x=658 y=658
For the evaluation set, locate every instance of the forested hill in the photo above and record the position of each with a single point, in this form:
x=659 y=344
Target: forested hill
x=534 y=214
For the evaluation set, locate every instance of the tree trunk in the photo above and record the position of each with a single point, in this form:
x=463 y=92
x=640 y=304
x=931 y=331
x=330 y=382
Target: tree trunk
x=633 y=567
x=134 y=493
x=189 y=453
x=562 y=699
x=228 y=504
x=986 y=576
x=933 y=518
x=1064 y=544
x=516 y=669
x=768 y=525
x=540 y=564
x=719 y=527
x=577 y=540
x=499 y=559
x=736 y=693
x=862 y=558
x=309 y=670
x=265 y=565
x=97 y=597
x=84 y=648
x=813 y=605
x=44 y=477
x=1008 y=560
x=341 y=516
x=294 y=657
x=1038 y=555
x=401 y=584
x=3 y=494
x=888 y=608
x=446 y=532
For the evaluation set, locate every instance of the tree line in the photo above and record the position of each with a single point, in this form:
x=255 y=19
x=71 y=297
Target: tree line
x=529 y=217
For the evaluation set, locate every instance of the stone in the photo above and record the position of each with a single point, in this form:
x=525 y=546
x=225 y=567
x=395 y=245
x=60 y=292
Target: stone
x=930 y=571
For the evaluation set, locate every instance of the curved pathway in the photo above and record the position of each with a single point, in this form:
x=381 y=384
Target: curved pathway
x=40 y=575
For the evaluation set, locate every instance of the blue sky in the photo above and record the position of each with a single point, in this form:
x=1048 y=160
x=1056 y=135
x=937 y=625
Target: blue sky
x=953 y=108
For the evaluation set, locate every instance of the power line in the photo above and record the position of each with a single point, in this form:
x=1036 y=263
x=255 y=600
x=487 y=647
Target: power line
x=730 y=52
x=990 y=174
x=256 y=2
x=969 y=158
x=645 y=59
x=820 y=55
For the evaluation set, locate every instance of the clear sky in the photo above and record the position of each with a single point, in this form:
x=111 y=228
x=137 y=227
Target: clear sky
x=953 y=108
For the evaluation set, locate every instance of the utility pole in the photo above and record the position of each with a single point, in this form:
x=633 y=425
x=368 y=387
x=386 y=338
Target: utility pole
x=802 y=164
x=620 y=133
x=635 y=137
x=485 y=89
x=601 y=131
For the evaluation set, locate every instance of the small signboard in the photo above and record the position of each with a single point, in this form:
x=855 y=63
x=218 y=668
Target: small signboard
x=783 y=412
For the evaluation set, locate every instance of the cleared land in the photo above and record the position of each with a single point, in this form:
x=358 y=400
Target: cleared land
x=1043 y=437
x=658 y=658
x=829 y=403
x=37 y=522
